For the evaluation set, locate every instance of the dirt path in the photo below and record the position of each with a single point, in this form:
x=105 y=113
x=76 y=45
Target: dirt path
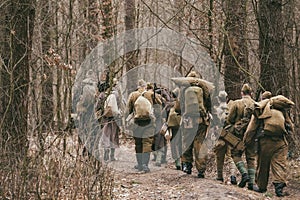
x=167 y=183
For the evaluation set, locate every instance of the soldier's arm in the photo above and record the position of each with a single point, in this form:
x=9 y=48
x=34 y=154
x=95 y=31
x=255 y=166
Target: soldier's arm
x=129 y=106
x=208 y=104
x=231 y=114
x=157 y=99
x=251 y=130
x=85 y=94
x=289 y=123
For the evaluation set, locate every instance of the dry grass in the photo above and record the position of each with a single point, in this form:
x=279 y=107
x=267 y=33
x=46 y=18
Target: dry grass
x=55 y=173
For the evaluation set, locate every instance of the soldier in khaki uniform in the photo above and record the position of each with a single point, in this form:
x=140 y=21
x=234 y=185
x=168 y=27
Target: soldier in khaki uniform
x=173 y=122
x=272 y=150
x=143 y=135
x=222 y=148
x=235 y=116
x=159 y=142
x=199 y=126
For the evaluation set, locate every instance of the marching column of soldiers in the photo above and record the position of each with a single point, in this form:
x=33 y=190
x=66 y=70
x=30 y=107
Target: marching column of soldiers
x=257 y=130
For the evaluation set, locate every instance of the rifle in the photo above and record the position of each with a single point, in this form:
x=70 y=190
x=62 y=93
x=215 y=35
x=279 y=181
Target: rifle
x=155 y=87
x=103 y=86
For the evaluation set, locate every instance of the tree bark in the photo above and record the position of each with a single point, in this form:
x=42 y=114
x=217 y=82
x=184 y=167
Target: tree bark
x=271 y=47
x=130 y=57
x=235 y=48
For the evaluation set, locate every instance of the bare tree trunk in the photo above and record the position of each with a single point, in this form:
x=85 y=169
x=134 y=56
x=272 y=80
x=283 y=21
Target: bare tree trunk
x=131 y=57
x=271 y=47
x=290 y=52
x=107 y=33
x=179 y=18
x=297 y=74
x=235 y=47
x=17 y=52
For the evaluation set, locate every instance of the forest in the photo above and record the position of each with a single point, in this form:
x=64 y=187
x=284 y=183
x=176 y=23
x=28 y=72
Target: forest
x=47 y=48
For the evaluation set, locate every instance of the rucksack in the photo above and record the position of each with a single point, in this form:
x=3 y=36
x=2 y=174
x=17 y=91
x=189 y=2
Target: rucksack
x=194 y=101
x=88 y=96
x=143 y=110
x=276 y=123
x=111 y=106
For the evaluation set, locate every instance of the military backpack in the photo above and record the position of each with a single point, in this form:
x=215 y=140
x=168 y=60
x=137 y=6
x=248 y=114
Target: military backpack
x=143 y=110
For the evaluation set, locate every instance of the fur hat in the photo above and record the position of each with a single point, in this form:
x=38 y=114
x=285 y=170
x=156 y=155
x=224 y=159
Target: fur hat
x=150 y=86
x=194 y=74
x=266 y=95
x=115 y=81
x=141 y=83
x=246 y=89
x=90 y=77
x=222 y=96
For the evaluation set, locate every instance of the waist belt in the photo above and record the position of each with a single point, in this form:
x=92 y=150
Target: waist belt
x=265 y=133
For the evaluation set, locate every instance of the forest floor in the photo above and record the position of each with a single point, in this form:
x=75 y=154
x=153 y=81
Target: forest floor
x=166 y=182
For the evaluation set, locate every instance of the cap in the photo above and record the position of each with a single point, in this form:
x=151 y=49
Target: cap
x=194 y=74
x=90 y=74
x=222 y=96
x=266 y=95
x=150 y=86
x=246 y=89
x=115 y=81
x=142 y=83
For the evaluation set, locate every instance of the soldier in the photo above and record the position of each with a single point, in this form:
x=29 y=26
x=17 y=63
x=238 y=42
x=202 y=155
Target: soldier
x=238 y=117
x=195 y=125
x=173 y=122
x=88 y=122
x=270 y=125
x=110 y=130
x=222 y=148
x=159 y=142
x=143 y=131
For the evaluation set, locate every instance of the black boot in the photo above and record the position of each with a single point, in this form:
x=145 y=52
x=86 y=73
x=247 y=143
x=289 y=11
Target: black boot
x=220 y=179
x=139 y=165
x=250 y=186
x=200 y=174
x=106 y=154
x=187 y=167
x=233 y=180
x=220 y=175
x=245 y=179
x=145 y=161
x=257 y=189
x=278 y=189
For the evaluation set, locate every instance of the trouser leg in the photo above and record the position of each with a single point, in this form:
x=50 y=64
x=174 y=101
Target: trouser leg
x=220 y=152
x=264 y=162
x=112 y=154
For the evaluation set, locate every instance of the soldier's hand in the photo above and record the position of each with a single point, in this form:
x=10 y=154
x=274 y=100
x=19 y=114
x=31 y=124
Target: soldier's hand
x=168 y=135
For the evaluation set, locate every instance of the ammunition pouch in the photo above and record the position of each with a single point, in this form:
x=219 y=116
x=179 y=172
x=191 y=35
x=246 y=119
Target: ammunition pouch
x=233 y=140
